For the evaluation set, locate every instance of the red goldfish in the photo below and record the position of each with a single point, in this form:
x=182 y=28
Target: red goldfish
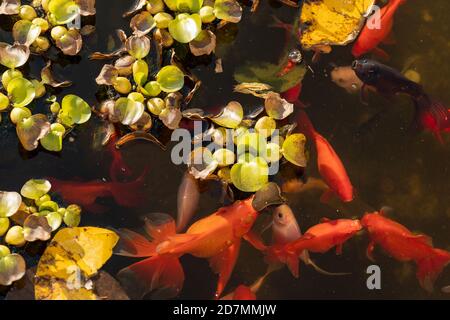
x=319 y=238
x=372 y=34
x=126 y=194
x=330 y=166
x=403 y=245
x=216 y=237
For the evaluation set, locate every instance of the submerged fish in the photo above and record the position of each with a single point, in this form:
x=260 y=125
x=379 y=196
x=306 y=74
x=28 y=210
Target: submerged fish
x=126 y=194
x=430 y=113
x=328 y=162
x=118 y=168
x=243 y=292
x=187 y=200
x=216 y=237
x=403 y=245
x=375 y=32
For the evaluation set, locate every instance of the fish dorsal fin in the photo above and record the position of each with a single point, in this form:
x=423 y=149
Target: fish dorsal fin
x=423 y=238
x=324 y=220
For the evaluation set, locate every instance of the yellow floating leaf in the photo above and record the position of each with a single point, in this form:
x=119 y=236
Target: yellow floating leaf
x=332 y=22
x=72 y=257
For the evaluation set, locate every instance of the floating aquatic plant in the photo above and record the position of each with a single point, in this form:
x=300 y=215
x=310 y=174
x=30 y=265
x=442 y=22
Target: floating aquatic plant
x=257 y=141
x=29 y=216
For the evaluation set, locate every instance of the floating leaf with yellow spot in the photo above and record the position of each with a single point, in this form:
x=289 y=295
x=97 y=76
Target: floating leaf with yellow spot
x=70 y=260
x=332 y=22
x=294 y=149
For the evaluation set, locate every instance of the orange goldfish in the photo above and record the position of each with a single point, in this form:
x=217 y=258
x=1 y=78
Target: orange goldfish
x=319 y=238
x=126 y=194
x=372 y=35
x=288 y=244
x=243 y=292
x=216 y=237
x=329 y=164
x=403 y=245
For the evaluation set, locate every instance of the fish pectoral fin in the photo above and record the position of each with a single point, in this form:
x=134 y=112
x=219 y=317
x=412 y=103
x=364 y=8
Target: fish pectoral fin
x=223 y=264
x=293 y=265
x=255 y=240
x=369 y=251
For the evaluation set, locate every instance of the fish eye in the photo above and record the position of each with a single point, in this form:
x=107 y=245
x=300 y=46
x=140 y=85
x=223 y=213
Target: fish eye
x=280 y=215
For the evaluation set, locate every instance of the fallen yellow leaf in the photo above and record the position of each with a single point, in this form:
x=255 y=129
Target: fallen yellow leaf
x=332 y=22
x=71 y=258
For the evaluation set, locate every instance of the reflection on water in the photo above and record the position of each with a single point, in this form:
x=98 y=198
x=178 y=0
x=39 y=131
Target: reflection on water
x=389 y=164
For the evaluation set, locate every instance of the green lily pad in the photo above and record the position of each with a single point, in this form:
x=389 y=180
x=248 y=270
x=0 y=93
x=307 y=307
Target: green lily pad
x=53 y=140
x=35 y=188
x=74 y=110
x=294 y=149
x=250 y=176
x=140 y=72
x=128 y=111
x=25 y=32
x=21 y=92
x=189 y=5
x=185 y=27
x=170 y=79
x=63 y=11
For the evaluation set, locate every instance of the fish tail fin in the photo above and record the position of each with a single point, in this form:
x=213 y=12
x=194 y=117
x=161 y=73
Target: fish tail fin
x=432 y=115
x=428 y=269
x=163 y=276
x=276 y=255
x=305 y=125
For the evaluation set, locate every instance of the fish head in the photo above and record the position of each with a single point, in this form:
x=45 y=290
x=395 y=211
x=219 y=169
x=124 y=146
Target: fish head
x=370 y=219
x=366 y=70
x=284 y=225
x=346 y=78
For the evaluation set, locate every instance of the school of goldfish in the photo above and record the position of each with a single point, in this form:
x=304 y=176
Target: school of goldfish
x=218 y=236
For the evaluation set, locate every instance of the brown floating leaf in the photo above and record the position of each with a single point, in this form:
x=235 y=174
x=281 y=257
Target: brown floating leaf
x=138 y=47
x=32 y=129
x=36 y=228
x=204 y=43
x=47 y=78
x=143 y=124
x=13 y=56
x=87 y=30
x=254 y=88
x=87 y=7
x=142 y=23
x=25 y=32
x=139 y=135
x=9 y=7
x=171 y=117
x=124 y=65
x=268 y=195
x=107 y=75
x=138 y=5
x=277 y=107
x=70 y=43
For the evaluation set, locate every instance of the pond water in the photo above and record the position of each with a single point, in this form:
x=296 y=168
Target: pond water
x=389 y=164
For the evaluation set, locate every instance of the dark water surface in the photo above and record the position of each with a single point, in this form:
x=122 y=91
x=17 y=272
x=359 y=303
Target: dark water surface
x=388 y=164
